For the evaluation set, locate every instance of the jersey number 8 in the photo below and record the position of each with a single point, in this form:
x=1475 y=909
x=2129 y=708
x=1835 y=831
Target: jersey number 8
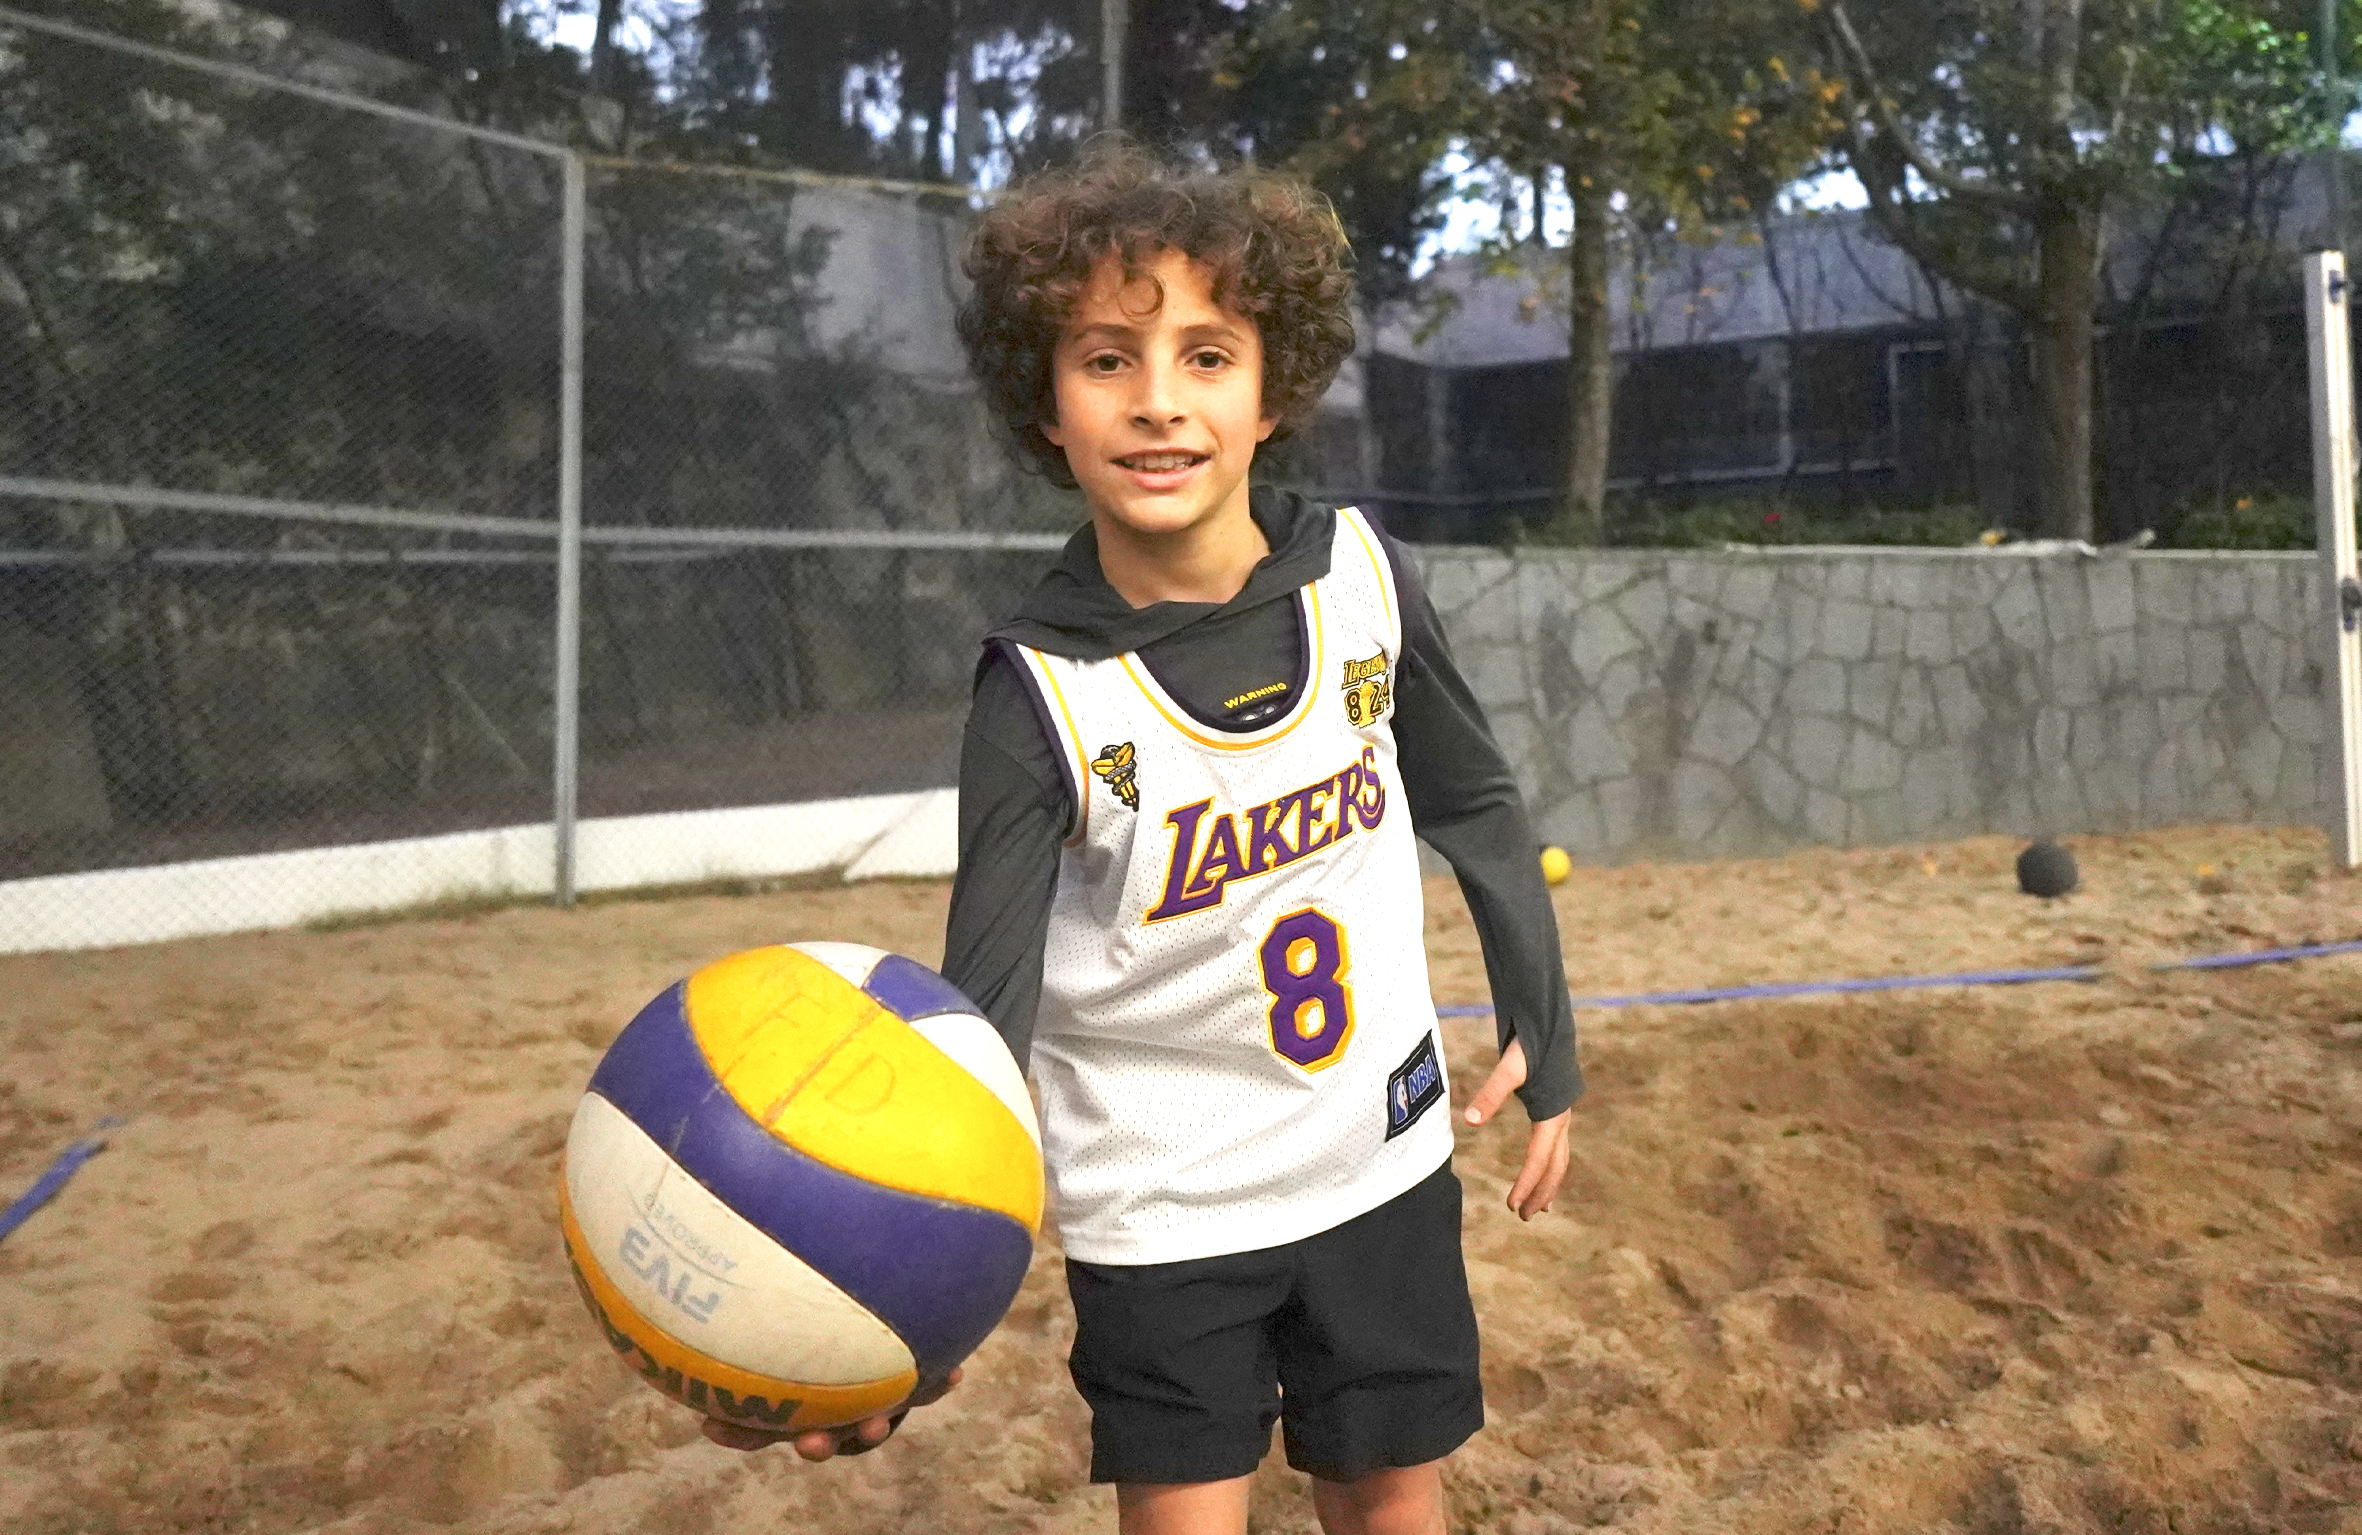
x=1304 y=967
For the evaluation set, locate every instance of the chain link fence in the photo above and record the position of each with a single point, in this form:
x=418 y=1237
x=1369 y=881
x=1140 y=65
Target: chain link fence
x=290 y=557
x=395 y=509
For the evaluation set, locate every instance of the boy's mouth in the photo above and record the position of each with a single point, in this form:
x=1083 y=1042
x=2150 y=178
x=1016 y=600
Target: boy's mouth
x=1164 y=461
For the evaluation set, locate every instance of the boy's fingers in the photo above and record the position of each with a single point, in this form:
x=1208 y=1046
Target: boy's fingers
x=1489 y=1097
x=934 y=1393
x=1536 y=1197
x=732 y=1436
x=814 y=1444
x=1508 y=1076
x=868 y=1434
x=1546 y=1160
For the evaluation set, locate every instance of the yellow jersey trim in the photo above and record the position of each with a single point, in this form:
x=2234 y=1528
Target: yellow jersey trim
x=1074 y=743
x=1378 y=565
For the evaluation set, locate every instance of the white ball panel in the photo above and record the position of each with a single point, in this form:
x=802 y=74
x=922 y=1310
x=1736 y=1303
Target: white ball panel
x=853 y=961
x=978 y=1050
x=704 y=1273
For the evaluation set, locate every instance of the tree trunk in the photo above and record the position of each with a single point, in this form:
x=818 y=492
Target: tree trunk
x=1590 y=380
x=2068 y=236
x=927 y=54
x=602 y=60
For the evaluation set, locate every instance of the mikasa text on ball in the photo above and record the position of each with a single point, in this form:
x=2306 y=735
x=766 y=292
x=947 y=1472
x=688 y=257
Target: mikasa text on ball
x=803 y=1181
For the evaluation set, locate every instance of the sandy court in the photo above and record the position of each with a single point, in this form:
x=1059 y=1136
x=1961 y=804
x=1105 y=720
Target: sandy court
x=2039 y=1259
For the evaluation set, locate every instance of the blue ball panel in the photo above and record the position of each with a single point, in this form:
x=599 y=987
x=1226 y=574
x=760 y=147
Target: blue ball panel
x=939 y=1274
x=908 y=990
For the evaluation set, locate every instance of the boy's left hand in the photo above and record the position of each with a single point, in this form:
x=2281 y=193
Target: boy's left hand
x=1546 y=1151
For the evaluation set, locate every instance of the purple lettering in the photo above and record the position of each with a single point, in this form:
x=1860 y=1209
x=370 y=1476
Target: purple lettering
x=1319 y=830
x=1179 y=898
x=1369 y=797
x=1268 y=847
x=1348 y=790
x=1222 y=862
x=1324 y=812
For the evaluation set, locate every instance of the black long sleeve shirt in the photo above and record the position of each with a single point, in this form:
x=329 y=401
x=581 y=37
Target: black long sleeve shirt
x=1238 y=665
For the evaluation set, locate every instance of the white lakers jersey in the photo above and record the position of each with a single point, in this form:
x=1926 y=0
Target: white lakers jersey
x=1236 y=1047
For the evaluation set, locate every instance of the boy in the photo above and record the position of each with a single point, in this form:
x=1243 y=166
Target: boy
x=1188 y=795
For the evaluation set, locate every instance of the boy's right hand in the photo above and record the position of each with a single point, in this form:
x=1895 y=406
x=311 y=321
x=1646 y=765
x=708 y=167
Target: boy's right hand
x=828 y=1443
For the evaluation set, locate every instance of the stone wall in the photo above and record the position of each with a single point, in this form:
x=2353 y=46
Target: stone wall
x=1694 y=705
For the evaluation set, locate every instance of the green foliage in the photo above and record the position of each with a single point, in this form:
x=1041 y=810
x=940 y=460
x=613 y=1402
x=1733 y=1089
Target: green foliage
x=1966 y=118
x=2003 y=143
x=1652 y=523
x=2263 y=521
x=1693 y=110
x=2251 y=73
x=2269 y=521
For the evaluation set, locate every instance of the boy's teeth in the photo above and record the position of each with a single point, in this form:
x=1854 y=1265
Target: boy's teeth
x=1155 y=462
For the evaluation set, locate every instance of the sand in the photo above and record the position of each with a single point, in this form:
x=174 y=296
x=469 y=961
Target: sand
x=2046 y=1258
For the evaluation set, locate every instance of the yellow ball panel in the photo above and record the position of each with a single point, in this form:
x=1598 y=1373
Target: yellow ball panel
x=769 y=1016
x=1556 y=865
x=708 y=1385
x=826 y=1069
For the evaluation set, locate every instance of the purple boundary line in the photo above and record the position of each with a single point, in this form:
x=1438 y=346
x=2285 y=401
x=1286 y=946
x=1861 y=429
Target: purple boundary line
x=2261 y=957
x=1810 y=988
x=1911 y=982
x=45 y=1187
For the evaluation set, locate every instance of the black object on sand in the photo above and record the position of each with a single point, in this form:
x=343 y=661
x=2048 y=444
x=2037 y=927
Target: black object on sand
x=2046 y=869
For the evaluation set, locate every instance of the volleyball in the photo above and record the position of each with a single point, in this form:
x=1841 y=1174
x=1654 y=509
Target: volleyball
x=2046 y=869
x=803 y=1182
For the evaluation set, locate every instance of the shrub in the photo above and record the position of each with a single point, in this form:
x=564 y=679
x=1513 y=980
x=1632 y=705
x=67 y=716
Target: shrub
x=2271 y=521
x=1638 y=523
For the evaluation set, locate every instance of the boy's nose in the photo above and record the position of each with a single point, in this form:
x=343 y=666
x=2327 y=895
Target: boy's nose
x=1157 y=403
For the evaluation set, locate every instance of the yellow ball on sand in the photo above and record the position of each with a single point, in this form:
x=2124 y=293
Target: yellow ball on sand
x=1556 y=865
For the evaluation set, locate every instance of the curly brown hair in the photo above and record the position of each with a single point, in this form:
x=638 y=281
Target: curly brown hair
x=1273 y=247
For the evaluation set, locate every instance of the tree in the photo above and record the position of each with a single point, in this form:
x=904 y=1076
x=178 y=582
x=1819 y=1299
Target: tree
x=1998 y=139
x=1666 y=113
x=879 y=85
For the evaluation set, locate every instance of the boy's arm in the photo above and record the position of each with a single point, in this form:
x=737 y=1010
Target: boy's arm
x=1465 y=803
x=1012 y=821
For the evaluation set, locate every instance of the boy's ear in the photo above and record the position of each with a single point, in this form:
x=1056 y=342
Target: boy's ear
x=1265 y=428
x=1048 y=426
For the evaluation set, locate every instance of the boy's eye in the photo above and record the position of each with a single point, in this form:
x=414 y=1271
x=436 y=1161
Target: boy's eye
x=1209 y=358
x=1105 y=362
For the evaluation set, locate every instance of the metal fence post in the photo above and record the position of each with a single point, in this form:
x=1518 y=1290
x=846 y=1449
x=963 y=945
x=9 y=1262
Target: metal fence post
x=1113 y=24
x=566 y=681
x=2329 y=354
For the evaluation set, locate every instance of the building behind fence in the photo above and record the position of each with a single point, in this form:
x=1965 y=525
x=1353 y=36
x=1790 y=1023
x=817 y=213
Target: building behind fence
x=1807 y=359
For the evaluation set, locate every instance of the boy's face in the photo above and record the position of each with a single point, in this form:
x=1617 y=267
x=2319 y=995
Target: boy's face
x=1159 y=409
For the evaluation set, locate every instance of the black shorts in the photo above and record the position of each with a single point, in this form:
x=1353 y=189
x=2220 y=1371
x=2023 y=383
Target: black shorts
x=1361 y=1341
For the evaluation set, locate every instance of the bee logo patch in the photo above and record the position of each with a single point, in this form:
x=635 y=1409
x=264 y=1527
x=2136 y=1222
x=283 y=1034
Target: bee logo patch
x=1116 y=765
x=1369 y=690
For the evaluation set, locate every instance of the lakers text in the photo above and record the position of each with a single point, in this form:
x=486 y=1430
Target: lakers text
x=1210 y=851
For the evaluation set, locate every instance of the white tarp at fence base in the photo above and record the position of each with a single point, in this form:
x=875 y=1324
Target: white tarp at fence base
x=907 y=835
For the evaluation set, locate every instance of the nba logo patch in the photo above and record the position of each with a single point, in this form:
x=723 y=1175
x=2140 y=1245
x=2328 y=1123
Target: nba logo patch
x=1414 y=1087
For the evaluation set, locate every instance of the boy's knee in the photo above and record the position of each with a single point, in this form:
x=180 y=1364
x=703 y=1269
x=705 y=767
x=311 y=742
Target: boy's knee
x=1391 y=1500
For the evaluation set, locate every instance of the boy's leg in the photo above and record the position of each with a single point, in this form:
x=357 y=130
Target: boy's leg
x=1177 y=1365
x=1183 y=1508
x=1378 y=1350
x=1398 y=1500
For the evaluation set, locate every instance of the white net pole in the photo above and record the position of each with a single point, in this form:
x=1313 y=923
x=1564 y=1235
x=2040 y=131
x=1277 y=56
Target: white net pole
x=2330 y=361
x=566 y=714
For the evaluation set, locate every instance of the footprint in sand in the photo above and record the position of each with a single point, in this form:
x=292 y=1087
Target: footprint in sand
x=38 y=1394
x=223 y=1241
